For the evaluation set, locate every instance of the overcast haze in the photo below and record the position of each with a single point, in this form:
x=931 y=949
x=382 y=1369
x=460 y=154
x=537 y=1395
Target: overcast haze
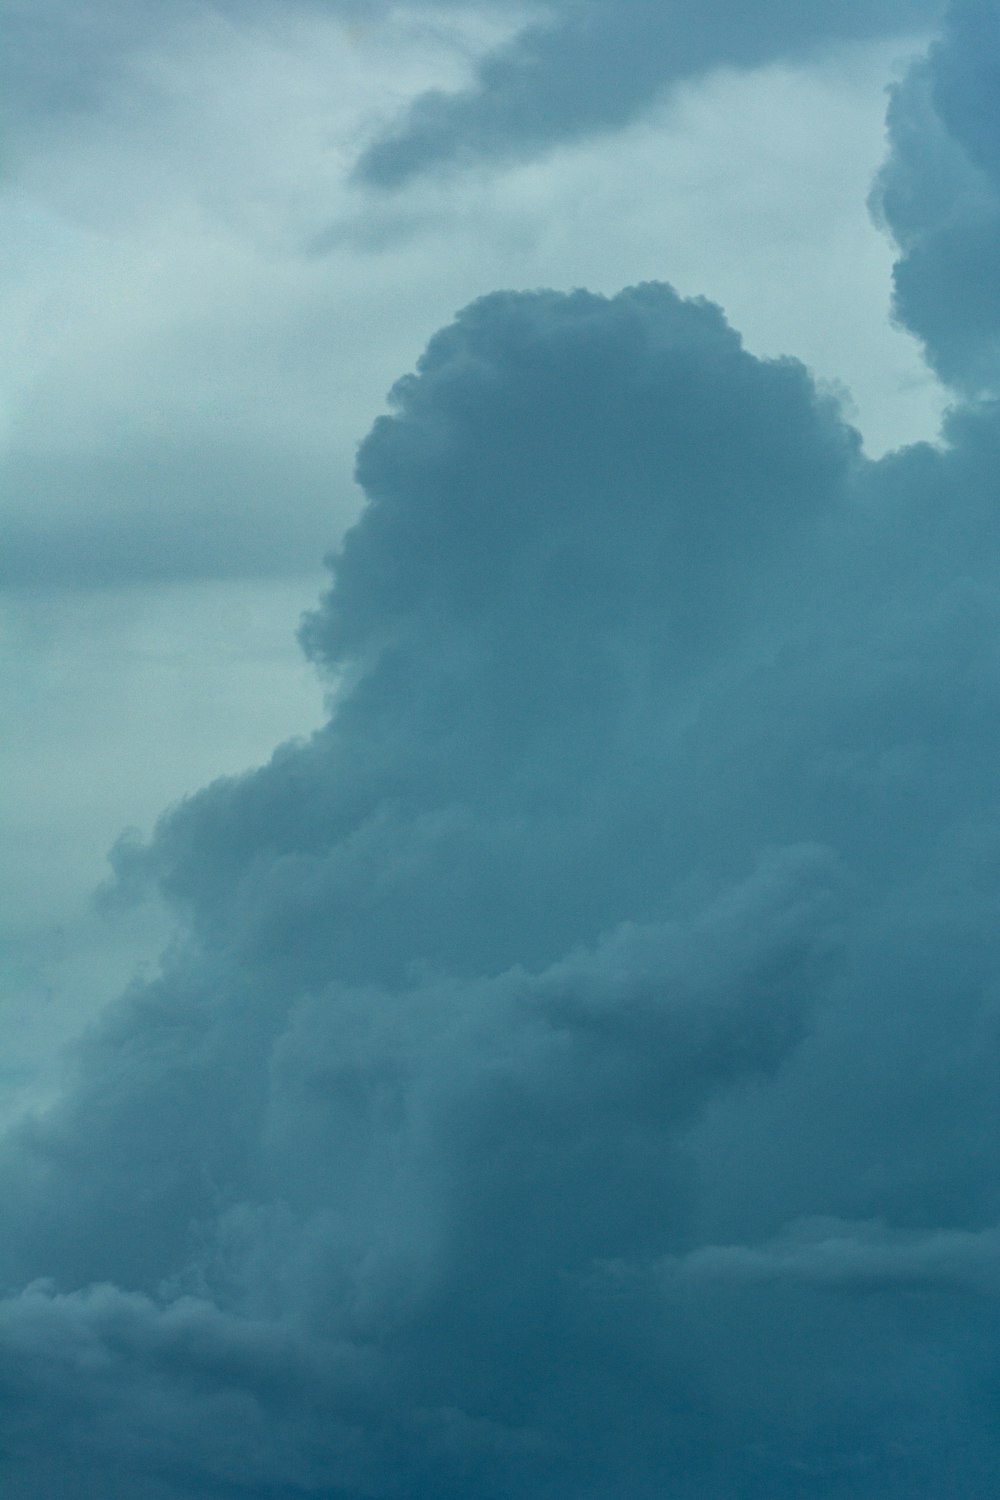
x=511 y=1010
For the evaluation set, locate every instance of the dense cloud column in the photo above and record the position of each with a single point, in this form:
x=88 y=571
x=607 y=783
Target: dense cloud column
x=939 y=194
x=576 y=1063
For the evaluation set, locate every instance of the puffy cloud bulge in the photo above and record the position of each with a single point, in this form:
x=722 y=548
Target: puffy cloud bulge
x=574 y=1070
x=939 y=197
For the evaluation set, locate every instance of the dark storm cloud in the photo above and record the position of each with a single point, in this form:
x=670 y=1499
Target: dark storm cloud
x=574 y=1074
x=594 y=65
x=358 y=1314
x=939 y=194
x=576 y=1065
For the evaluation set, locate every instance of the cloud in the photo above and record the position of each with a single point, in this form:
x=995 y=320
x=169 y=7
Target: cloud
x=62 y=61
x=853 y=1258
x=57 y=57
x=393 y=1137
x=939 y=194
x=169 y=405
x=435 y=982
x=160 y=510
x=575 y=1064
x=185 y=384
x=592 y=65
x=573 y=67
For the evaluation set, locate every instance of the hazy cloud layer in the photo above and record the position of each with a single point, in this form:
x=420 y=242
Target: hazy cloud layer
x=574 y=1074
x=159 y=510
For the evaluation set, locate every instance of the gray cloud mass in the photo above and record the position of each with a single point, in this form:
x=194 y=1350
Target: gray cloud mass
x=574 y=1070
x=939 y=194
x=594 y=65
x=574 y=68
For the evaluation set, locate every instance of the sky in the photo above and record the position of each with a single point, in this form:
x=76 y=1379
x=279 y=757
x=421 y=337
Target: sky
x=500 y=671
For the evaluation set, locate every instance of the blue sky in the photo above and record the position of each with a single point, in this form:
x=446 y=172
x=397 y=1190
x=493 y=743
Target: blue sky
x=535 y=1035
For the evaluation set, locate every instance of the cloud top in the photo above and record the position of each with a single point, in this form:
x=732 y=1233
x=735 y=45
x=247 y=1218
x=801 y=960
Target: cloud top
x=939 y=194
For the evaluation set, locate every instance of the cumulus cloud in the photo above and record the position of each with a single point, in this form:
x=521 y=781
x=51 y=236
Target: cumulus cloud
x=939 y=194
x=442 y=1013
x=574 y=1071
x=471 y=986
x=360 y=1298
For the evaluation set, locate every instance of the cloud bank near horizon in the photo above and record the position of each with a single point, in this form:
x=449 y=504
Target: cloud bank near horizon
x=574 y=1071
